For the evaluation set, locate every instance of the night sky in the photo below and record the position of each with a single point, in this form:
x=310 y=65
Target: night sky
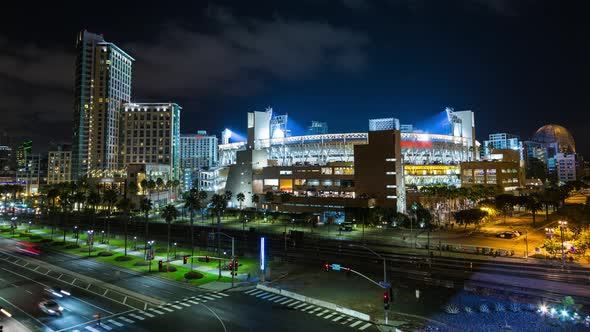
x=518 y=64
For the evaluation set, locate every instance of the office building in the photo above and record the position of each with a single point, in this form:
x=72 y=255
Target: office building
x=198 y=151
x=150 y=133
x=59 y=166
x=565 y=167
x=502 y=169
x=102 y=85
x=503 y=141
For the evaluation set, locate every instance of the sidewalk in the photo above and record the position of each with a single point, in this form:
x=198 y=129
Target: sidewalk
x=239 y=277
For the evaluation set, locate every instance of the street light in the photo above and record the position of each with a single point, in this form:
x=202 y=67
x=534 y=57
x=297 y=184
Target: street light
x=174 y=244
x=384 y=266
x=135 y=243
x=233 y=257
x=30 y=226
x=90 y=240
x=562 y=226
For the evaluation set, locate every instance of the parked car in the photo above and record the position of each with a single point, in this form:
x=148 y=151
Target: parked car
x=508 y=235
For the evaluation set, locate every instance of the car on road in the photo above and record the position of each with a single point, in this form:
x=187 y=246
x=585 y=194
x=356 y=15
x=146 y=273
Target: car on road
x=56 y=291
x=508 y=235
x=51 y=307
x=346 y=227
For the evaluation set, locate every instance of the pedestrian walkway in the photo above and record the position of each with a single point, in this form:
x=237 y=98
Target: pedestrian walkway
x=121 y=321
x=239 y=277
x=310 y=309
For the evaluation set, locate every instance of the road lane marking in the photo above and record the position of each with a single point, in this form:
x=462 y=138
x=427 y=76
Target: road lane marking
x=356 y=323
x=106 y=327
x=184 y=304
x=156 y=311
x=193 y=302
x=215 y=295
x=223 y=294
x=285 y=302
x=91 y=329
x=330 y=315
x=147 y=314
x=114 y=322
x=255 y=292
x=126 y=320
x=164 y=308
x=323 y=312
x=24 y=312
x=315 y=310
x=279 y=299
x=136 y=316
x=175 y=306
x=301 y=305
x=337 y=318
x=308 y=307
x=262 y=294
x=364 y=326
x=271 y=298
x=208 y=298
x=294 y=303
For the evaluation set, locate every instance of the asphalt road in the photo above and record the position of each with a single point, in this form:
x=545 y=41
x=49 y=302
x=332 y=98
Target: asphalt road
x=185 y=309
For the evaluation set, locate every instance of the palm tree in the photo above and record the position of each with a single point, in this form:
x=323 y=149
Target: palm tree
x=218 y=203
x=125 y=205
x=144 y=186
x=240 y=197
x=109 y=197
x=532 y=204
x=170 y=213
x=159 y=186
x=67 y=204
x=92 y=200
x=269 y=197
x=202 y=197
x=52 y=196
x=145 y=205
x=192 y=203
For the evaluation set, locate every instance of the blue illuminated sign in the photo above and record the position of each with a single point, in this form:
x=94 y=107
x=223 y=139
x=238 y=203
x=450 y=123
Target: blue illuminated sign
x=262 y=258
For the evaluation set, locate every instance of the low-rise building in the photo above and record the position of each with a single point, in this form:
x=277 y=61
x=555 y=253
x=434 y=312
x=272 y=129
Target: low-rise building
x=59 y=167
x=502 y=169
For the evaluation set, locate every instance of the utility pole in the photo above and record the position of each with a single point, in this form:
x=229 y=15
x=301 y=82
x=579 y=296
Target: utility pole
x=562 y=226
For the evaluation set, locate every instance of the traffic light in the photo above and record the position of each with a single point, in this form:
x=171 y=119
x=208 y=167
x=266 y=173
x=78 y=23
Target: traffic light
x=236 y=264
x=347 y=269
x=231 y=266
x=386 y=301
x=184 y=259
x=326 y=267
x=207 y=259
x=160 y=265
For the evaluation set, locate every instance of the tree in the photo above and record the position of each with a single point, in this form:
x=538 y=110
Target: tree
x=145 y=206
x=170 y=213
x=582 y=241
x=269 y=197
x=192 y=203
x=109 y=197
x=228 y=196
x=159 y=186
x=532 y=204
x=92 y=200
x=52 y=196
x=255 y=200
x=125 y=205
x=240 y=197
x=469 y=216
x=552 y=246
x=202 y=197
x=285 y=197
x=505 y=203
x=144 y=186
x=218 y=204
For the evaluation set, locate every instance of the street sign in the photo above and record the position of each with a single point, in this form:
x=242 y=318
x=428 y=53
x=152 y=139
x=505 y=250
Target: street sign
x=384 y=284
x=336 y=267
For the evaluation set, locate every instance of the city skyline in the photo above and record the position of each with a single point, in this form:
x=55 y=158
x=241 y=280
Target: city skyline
x=342 y=71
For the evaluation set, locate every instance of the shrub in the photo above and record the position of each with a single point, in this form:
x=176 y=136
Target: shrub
x=168 y=268
x=142 y=263
x=193 y=275
x=58 y=243
x=105 y=253
x=483 y=308
x=72 y=246
x=514 y=307
x=499 y=307
x=160 y=250
x=468 y=310
x=124 y=258
x=452 y=309
x=86 y=250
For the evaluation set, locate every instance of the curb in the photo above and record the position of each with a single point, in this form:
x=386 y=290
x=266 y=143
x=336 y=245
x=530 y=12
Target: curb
x=319 y=303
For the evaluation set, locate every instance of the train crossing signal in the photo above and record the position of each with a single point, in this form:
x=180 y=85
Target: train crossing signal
x=184 y=259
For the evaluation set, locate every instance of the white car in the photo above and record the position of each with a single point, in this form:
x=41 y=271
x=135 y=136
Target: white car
x=51 y=307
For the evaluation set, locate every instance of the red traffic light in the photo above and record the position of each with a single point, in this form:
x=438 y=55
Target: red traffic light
x=160 y=264
x=184 y=259
x=385 y=298
x=326 y=267
x=207 y=259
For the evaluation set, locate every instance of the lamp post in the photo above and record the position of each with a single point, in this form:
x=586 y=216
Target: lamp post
x=29 y=227
x=135 y=243
x=90 y=240
x=75 y=232
x=175 y=245
x=150 y=254
x=562 y=226
x=384 y=266
x=233 y=257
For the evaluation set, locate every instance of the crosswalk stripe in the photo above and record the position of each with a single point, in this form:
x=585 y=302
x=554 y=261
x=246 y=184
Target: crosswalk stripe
x=126 y=320
x=301 y=305
x=253 y=291
x=147 y=314
x=156 y=311
x=106 y=327
x=337 y=318
x=364 y=326
x=287 y=300
x=262 y=294
x=323 y=312
x=175 y=306
x=184 y=304
x=76 y=331
x=272 y=297
x=136 y=316
x=193 y=302
x=330 y=315
x=315 y=310
x=223 y=294
x=347 y=320
x=280 y=298
x=294 y=303
x=164 y=308
x=215 y=295
x=91 y=329
x=308 y=307
x=114 y=322
x=208 y=298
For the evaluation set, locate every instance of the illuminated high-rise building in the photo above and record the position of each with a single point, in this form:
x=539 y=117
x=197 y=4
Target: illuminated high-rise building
x=102 y=85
